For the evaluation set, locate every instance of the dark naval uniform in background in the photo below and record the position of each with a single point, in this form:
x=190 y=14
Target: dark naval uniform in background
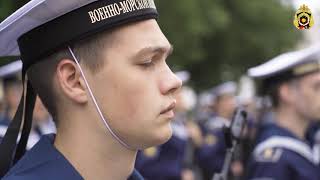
x=211 y=154
x=165 y=162
x=280 y=155
x=34 y=136
x=45 y=162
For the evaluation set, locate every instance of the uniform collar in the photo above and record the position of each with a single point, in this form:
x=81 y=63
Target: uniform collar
x=272 y=129
x=44 y=161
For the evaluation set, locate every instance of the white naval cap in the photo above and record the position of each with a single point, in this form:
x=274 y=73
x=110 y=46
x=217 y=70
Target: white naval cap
x=184 y=76
x=41 y=27
x=31 y=15
x=10 y=69
x=295 y=63
x=229 y=87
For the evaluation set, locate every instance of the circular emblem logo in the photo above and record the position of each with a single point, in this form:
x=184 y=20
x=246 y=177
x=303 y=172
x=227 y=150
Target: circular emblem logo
x=303 y=18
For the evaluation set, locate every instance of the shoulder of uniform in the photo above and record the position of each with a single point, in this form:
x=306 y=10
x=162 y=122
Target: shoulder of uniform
x=18 y=177
x=269 y=155
x=211 y=139
x=151 y=152
x=279 y=144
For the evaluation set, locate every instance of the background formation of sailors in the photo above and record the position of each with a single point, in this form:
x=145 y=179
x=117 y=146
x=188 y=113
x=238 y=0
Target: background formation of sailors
x=281 y=139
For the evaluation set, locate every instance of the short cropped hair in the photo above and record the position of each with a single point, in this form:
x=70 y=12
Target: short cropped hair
x=271 y=87
x=88 y=51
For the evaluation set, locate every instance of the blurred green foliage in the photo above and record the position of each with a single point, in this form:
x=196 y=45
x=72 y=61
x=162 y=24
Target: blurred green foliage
x=9 y=6
x=217 y=40
x=6 y=8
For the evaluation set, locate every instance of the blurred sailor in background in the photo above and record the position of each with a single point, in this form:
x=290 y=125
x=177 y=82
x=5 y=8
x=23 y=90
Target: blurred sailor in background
x=11 y=92
x=224 y=105
x=282 y=152
x=212 y=153
x=12 y=89
x=102 y=76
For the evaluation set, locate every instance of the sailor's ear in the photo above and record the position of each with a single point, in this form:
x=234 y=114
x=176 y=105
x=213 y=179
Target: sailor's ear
x=70 y=81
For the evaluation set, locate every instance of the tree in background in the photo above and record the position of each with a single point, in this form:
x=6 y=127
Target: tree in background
x=217 y=40
x=7 y=7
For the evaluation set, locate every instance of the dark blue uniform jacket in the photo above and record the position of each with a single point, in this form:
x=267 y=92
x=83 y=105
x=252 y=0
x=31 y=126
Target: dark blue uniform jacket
x=45 y=162
x=280 y=155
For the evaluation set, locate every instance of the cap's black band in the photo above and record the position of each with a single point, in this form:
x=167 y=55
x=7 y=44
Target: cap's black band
x=47 y=38
x=80 y=23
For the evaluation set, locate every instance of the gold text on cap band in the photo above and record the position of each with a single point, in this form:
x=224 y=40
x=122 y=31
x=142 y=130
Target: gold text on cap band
x=116 y=9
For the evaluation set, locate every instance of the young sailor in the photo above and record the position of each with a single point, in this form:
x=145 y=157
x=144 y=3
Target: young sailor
x=99 y=67
x=292 y=81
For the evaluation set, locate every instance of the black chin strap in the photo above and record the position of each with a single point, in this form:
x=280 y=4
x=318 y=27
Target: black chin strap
x=10 y=153
x=29 y=106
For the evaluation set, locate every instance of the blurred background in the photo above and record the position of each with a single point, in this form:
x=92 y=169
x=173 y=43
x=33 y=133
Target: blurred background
x=215 y=43
x=218 y=40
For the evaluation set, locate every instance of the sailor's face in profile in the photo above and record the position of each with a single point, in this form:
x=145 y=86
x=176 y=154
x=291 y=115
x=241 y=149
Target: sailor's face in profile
x=308 y=96
x=136 y=88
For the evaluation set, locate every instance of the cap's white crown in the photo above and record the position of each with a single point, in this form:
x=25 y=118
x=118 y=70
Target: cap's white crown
x=184 y=76
x=284 y=62
x=229 y=87
x=31 y=15
x=11 y=68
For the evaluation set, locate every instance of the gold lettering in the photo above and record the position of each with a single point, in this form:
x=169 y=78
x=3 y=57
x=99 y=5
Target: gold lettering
x=106 y=12
x=124 y=6
x=102 y=17
x=132 y=4
x=111 y=10
x=137 y=5
x=305 y=68
x=92 y=17
x=145 y=4
x=96 y=14
x=117 y=8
